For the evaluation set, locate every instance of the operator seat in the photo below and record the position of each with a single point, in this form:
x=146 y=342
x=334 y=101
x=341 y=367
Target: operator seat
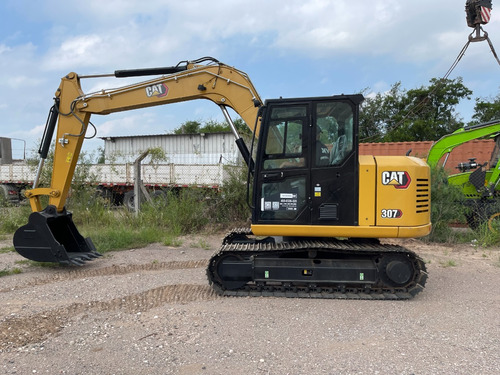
x=338 y=150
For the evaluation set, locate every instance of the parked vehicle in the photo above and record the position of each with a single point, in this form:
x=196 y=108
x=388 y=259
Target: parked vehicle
x=206 y=167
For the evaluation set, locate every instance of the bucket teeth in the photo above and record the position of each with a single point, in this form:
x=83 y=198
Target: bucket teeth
x=79 y=259
x=77 y=262
x=84 y=257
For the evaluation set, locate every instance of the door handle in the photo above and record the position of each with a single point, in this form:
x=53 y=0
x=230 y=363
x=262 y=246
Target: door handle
x=273 y=175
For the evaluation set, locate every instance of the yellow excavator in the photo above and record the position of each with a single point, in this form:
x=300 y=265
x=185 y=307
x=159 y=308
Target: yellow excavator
x=318 y=207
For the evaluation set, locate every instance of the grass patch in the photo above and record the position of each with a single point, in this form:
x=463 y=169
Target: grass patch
x=172 y=241
x=7 y=249
x=23 y=261
x=449 y=263
x=202 y=244
x=446 y=208
x=176 y=214
x=11 y=218
x=482 y=237
x=32 y=263
x=8 y=272
x=123 y=237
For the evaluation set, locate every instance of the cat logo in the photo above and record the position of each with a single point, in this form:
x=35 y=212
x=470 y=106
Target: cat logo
x=159 y=90
x=399 y=179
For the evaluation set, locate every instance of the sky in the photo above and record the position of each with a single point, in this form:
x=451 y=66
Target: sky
x=289 y=48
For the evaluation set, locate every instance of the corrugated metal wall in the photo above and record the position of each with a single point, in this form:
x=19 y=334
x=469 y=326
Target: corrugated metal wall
x=208 y=148
x=479 y=149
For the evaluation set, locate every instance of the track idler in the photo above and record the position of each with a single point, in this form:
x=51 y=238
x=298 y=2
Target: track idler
x=51 y=236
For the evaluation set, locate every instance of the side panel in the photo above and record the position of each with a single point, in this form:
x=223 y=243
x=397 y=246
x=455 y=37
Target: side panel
x=403 y=191
x=340 y=231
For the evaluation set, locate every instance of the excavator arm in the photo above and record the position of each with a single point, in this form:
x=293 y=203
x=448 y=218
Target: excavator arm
x=219 y=83
x=446 y=144
x=50 y=234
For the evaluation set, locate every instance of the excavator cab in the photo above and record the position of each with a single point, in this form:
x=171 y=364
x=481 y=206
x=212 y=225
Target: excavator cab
x=310 y=190
x=306 y=172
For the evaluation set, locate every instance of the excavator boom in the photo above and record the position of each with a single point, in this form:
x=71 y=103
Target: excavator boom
x=219 y=83
x=50 y=234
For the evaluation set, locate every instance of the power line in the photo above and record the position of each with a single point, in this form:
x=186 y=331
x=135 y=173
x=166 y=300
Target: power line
x=418 y=107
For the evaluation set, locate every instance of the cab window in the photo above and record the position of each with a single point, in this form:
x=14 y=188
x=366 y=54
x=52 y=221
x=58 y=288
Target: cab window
x=333 y=133
x=284 y=144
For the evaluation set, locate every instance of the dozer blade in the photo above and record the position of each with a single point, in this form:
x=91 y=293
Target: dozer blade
x=51 y=236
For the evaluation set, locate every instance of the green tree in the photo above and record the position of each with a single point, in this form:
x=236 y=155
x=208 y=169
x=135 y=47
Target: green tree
x=485 y=111
x=213 y=126
x=188 y=127
x=242 y=128
x=425 y=113
x=379 y=113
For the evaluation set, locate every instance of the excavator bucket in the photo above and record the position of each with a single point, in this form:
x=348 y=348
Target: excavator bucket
x=51 y=236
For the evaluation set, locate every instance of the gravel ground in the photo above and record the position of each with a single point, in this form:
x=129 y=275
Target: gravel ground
x=151 y=311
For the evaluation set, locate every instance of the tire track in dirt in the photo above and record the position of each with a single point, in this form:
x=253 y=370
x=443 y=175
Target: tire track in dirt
x=20 y=331
x=109 y=271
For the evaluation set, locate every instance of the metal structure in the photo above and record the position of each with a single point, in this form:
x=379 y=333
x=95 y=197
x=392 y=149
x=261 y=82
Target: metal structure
x=479 y=183
x=115 y=181
x=204 y=148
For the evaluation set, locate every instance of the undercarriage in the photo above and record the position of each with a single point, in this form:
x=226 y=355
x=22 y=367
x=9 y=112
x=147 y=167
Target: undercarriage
x=315 y=268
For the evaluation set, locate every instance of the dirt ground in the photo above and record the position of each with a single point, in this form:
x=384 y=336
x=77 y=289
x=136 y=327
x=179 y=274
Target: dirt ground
x=151 y=311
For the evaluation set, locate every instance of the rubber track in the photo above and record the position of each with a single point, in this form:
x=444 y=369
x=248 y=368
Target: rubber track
x=333 y=292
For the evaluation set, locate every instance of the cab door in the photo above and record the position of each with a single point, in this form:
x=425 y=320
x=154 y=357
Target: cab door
x=334 y=167
x=282 y=178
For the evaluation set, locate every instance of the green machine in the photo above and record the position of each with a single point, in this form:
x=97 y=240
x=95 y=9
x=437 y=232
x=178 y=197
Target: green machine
x=479 y=182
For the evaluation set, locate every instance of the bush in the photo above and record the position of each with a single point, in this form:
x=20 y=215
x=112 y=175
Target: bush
x=230 y=205
x=178 y=212
x=446 y=207
x=11 y=218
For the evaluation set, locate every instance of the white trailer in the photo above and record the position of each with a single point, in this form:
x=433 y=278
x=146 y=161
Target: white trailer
x=116 y=181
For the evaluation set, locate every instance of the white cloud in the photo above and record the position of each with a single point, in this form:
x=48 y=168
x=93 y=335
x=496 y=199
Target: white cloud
x=4 y=48
x=142 y=31
x=340 y=45
x=36 y=131
x=138 y=122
